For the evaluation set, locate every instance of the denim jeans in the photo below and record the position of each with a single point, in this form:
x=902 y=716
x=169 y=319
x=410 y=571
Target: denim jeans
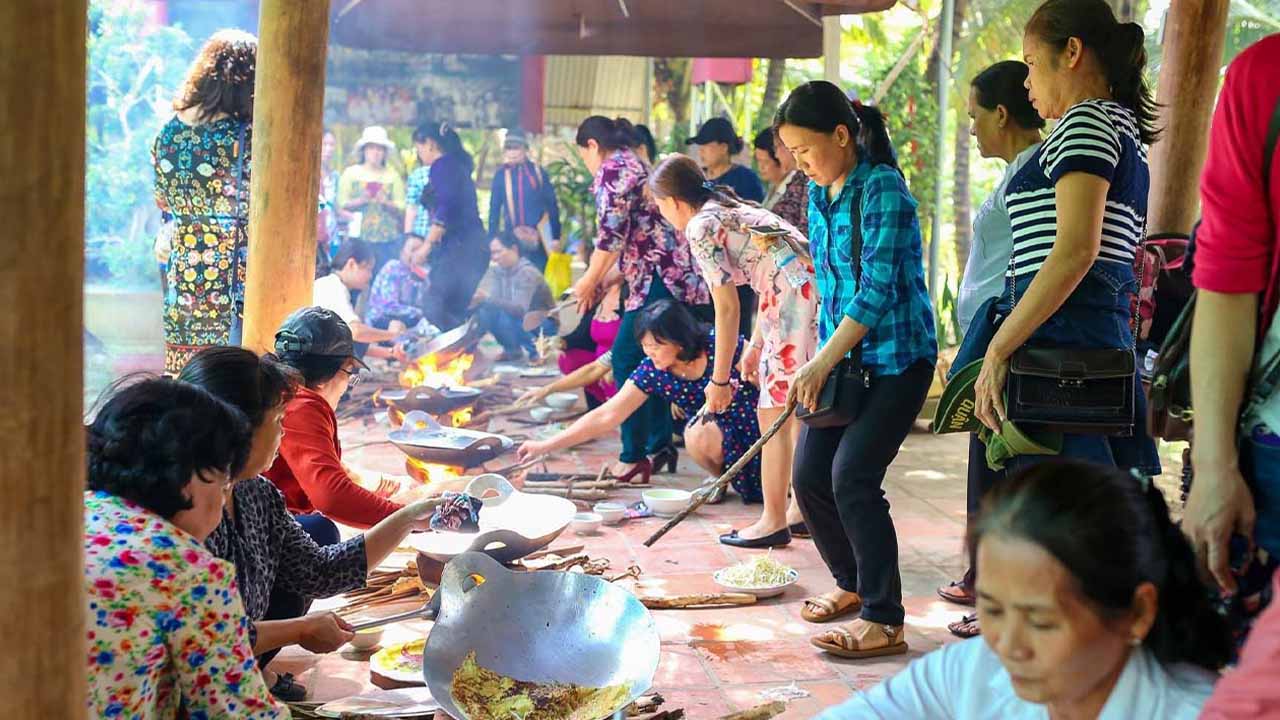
x=509 y=330
x=649 y=428
x=1261 y=463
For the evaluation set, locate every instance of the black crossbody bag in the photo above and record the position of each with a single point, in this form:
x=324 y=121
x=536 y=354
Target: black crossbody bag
x=840 y=401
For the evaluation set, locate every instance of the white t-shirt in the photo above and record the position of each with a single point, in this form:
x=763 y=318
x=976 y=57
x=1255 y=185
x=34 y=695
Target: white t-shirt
x=331 y=294
x=965 y=681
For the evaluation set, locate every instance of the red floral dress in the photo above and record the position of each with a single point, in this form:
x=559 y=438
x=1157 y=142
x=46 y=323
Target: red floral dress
x=787 y=317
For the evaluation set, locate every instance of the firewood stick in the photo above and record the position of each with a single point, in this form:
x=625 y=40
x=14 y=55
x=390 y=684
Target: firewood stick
x=759 y=712
x=673 y=602
x=562 y=552
x=570 y=493
x=700 y=498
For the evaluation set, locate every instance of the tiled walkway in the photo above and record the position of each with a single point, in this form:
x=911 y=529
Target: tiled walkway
x=718 y=661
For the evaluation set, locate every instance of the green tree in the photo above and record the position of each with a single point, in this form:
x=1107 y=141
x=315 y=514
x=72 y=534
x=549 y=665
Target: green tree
x=133 y=72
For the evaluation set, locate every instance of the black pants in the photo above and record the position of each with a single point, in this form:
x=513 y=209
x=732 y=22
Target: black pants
x=454 y=275
x=838 y=477
x=285 y=604
x=981 y=479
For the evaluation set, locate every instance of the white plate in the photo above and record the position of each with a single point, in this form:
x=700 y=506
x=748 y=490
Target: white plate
x=760 y=593
x=377 y=665
x=539 y=372
x=383 y=703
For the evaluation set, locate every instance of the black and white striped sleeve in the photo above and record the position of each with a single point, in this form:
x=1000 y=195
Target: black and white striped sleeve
x=1085 y=140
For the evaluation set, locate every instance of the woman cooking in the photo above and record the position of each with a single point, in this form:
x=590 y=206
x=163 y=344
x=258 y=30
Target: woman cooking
x=681 y=354
x=656 y=263
x=718 y=225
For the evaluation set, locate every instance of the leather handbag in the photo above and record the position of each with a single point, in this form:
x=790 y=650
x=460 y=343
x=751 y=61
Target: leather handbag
x=1073 y=390
x=840 y=400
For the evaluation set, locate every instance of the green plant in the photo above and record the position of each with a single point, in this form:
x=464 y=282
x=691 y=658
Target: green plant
x=572 y=181
x=947 y=316
x=133 y=71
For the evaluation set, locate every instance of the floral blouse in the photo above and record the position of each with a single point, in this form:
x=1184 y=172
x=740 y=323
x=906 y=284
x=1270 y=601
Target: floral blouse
x=630 y=224
x=792 y=203
x=166 y=630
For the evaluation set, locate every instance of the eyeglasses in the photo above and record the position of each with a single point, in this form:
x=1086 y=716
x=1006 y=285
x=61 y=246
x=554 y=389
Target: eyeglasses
x=353 y=377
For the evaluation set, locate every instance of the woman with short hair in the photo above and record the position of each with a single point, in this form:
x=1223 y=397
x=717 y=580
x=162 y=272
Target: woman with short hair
x=1091 y=607
x=167 y=633
x=788 y=195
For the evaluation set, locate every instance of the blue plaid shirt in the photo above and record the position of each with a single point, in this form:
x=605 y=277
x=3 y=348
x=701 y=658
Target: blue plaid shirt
x=890 y=296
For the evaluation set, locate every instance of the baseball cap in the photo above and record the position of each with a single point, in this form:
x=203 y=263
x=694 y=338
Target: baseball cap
x=316 y=331
x=717 y=129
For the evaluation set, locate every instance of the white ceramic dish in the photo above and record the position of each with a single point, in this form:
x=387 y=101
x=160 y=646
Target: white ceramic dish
x=610 y=512
x=406 y=702
x=665 y=502
x=540 y=414
x=367 y=639
x=539 y=372
x=561 y=400
x=761 y=593
x=586 y=523
x=506 y=370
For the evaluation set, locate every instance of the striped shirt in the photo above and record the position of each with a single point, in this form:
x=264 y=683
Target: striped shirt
x=1099 y=137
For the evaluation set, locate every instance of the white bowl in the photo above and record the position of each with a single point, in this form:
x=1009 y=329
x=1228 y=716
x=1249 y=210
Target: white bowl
x=561 y=400
x=367 y=639
x=586 y=523
x=506 y=370
x=766 y=592
x=611 y=512
x=665 y=502
x=540 y=413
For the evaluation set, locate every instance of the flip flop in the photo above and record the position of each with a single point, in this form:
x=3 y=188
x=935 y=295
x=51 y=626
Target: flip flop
x=956 y=592
x=831 y=609
x=842 y=649
x=966 y=627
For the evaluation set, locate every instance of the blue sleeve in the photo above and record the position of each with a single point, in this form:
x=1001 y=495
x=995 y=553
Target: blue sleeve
x=646 y=378
x=553 y=205
x=445 y=185
x=889 y=229
x=497 y=195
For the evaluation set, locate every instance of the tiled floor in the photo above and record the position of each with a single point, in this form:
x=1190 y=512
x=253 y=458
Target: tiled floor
x=714 y=662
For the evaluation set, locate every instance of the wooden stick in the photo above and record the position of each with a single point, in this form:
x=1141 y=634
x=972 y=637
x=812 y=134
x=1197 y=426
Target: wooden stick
x=562 y=552
x=569 y=493
x=759 y=712
x=700 y=498
x=672 y=602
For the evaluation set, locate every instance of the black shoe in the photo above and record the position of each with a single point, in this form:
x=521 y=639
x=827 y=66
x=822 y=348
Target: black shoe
x=667 y=456
x=287 y=689
x=777 y=539
x=800 y=530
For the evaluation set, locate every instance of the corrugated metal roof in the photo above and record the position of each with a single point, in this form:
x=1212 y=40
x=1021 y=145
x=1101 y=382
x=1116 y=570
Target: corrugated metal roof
x=578 y=86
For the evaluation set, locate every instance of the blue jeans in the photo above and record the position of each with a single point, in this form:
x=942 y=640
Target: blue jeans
x=1261 y=463
x=509 y=330
x=1096 y=315
x=648 y=429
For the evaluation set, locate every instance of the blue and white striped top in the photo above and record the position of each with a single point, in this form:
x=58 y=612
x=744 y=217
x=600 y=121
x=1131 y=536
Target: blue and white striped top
x=1099 y=137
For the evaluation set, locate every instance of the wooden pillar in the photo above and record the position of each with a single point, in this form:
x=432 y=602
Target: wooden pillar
x=287 y=124
x=42 y=156
x=1193 y=37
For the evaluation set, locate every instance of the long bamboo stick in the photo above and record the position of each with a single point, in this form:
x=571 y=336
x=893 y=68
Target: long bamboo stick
x=700 y=498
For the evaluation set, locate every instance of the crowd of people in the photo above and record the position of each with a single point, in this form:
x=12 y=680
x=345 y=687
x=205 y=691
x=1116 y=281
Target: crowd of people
x=714 y=308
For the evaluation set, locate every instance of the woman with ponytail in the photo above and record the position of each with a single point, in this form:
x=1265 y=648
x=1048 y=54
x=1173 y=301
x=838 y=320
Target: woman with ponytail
x=1091 y=607
x=720 y=228
x=656 y=263
x=458 y=246
x=873 y=307
x=1078 y=211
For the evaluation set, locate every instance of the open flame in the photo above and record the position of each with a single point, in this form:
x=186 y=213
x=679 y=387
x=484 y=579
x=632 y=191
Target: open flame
x=432 y=475
x=435 y=371
x=457 y=418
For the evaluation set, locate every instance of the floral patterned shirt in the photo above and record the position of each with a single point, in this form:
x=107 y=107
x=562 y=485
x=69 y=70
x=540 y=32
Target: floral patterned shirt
x=166 y=630
x=791 y=201
x=396 y=294
x=631 y=225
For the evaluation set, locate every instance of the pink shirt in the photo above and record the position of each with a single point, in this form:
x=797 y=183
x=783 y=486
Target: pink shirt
x=1238 y=244
x=1251 y=690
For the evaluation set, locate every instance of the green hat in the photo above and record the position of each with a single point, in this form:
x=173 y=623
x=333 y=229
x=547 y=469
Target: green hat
x=955 y=411
x=1013 y=441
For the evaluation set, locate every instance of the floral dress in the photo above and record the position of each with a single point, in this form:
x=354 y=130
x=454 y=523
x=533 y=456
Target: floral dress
x=202 y=181
x=166 y=630
x=630 y=224
x=787 y=317
x=739 y=424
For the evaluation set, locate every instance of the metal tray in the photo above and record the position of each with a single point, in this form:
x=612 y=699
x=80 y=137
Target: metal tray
x=430 y=400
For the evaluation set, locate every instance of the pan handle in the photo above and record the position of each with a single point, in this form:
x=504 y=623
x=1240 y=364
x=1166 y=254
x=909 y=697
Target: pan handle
x=490 y=481
x=463 y=574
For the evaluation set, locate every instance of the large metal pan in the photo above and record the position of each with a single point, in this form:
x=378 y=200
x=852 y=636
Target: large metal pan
x=450 y=342
x=542 y=627
x=512 y=524
x=422 y=438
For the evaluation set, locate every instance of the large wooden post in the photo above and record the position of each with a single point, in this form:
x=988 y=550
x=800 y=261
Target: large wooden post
x=42 y=156
x=1193 y=37
x=287 y=125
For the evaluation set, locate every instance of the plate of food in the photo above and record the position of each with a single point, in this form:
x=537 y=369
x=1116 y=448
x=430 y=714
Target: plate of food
x=406 y=702
x=401 y=663
x=761 y=576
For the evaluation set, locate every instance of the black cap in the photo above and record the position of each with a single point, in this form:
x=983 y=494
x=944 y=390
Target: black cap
x=717 y=129
x=316 y=331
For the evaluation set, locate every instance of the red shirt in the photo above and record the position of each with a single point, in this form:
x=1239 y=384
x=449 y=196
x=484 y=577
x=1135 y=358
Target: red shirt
x=1238 y=244
x=1251 y=690
x=309 y=469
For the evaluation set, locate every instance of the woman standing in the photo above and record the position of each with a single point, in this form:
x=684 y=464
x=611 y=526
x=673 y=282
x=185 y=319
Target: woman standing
x=1072 y=277
x=202 y=160
x=375 y=190
x=788 y=195
x=865 y=239
x=656 y=263
x=1005 y=126
x=456 y=242
x=717 y=224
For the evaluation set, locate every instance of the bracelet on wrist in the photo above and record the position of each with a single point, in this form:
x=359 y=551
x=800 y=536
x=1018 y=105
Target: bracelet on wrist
x=717 y=383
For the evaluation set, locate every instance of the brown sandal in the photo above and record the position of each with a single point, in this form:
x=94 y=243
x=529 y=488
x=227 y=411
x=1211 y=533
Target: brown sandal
x=876 y=641
x=830 y=609
x=959 y=593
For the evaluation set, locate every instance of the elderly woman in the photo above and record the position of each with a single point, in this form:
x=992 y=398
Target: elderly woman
x=279 y=566
x=788 y=196
x=202 y=162
x=1091 y=607
x=167 y=634
x=373 y=188
x=681 y=353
